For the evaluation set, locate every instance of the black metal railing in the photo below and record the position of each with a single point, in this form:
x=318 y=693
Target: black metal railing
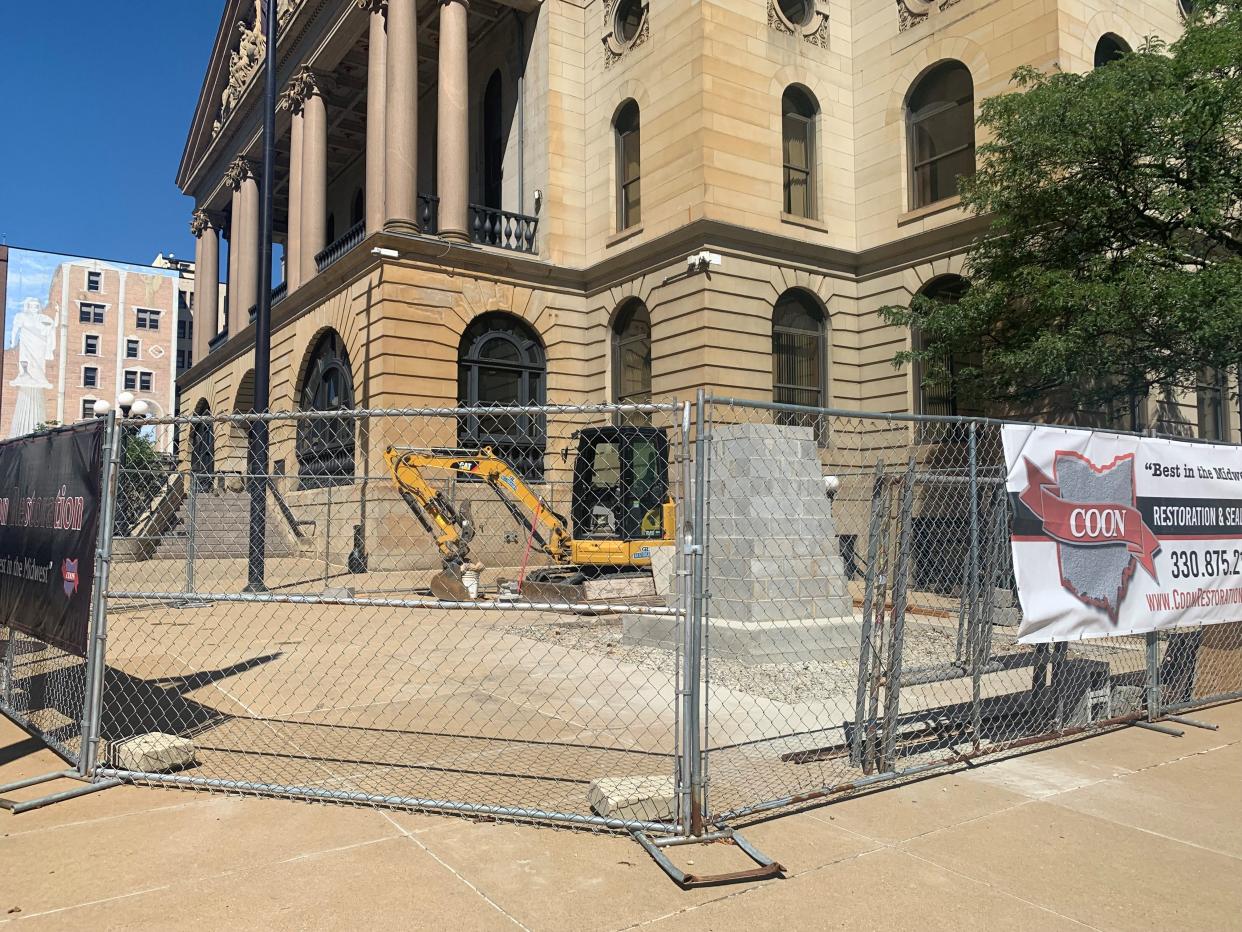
x=218 y=340
x=253 y=313
x=502 y=228
x=353 y=236
x=429 y=214
x=280 y=292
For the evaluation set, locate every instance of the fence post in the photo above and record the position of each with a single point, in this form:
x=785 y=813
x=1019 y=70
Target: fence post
x=866 y=653
x=8 y=668
x=191 y=540
x=96 y=655
x=1153 y=676
x=901 y=572
x=972 y=584
x=693 y=713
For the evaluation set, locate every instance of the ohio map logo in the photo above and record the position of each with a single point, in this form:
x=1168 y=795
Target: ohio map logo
x=69 y=573
x=1090 y=512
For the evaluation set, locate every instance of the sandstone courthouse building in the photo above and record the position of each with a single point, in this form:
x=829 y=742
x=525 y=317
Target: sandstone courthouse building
x=544 y=171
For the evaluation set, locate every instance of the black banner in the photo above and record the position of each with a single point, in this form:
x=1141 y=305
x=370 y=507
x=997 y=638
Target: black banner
x=50 y=498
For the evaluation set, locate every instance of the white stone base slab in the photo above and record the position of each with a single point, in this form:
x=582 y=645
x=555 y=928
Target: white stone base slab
x=822 y=639
x=642 y=799
x=153 y=753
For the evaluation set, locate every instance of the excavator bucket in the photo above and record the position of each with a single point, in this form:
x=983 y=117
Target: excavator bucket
x=447 y=585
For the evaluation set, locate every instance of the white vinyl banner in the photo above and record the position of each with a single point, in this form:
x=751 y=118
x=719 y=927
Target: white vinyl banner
x=1120 y=535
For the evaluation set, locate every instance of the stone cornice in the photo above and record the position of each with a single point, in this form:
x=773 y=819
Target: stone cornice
x=667 y=251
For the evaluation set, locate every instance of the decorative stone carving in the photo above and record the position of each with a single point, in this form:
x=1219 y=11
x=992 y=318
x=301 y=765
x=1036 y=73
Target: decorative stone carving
x=239 y=170
x=615 y=47
x=246 y=57
x=912 y=12
x=813 y=31
x=200 y=222
x=285 y=10
x=372 y=5
x=302 y=86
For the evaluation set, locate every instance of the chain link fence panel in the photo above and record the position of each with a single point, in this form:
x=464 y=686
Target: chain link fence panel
x=656 y=618
x=349 y=672
x=861 y=617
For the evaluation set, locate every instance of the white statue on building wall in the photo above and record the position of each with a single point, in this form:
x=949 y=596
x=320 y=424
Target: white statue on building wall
x=34 y=337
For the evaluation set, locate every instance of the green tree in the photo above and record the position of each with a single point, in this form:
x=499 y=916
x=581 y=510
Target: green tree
x=1113 y=263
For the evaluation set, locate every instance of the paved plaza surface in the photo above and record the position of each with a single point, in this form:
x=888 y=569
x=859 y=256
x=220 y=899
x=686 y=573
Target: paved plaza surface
x=1126 y=830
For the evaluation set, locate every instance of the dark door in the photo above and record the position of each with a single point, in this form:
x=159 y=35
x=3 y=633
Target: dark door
x=493 y=142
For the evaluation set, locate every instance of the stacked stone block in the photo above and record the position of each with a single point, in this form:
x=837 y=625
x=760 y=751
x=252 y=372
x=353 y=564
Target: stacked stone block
x=777 y=586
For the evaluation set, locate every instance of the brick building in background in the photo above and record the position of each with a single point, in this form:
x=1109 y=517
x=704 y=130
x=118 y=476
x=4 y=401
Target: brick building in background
x=80 y=330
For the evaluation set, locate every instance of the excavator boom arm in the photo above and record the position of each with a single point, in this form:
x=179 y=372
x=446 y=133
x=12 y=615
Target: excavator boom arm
x=453 y=526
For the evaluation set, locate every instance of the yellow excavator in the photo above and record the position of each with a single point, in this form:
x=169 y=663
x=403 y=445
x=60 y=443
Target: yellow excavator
x=620 y=510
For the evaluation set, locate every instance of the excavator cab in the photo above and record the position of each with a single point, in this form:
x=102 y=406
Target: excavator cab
x=620 y=484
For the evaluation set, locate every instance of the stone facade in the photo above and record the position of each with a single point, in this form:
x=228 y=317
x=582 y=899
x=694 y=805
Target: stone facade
x=509 y=106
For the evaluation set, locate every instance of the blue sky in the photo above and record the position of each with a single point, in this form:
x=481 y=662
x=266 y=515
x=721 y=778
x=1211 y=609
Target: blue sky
x=97 y=104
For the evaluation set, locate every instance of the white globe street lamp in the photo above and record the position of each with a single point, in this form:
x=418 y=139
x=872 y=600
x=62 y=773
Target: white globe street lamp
x=101 y=408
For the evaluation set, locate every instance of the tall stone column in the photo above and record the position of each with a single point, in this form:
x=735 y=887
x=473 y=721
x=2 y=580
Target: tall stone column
x=242 y=176
x=401 y=118
x=293 y=235
x=314 y=219
x=377 y=82
x=453 y=127
x=206 y=229
x=231 y=298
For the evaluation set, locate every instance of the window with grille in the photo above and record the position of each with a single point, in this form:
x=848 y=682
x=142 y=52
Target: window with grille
x=799 y=361
x=501 y=361
x=325 y=446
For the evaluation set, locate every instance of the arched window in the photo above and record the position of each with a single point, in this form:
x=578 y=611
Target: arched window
x=359 y=210
x=940 y=119
x=1110 y=48
x=798 y=112
x=501 y=362
x=629 y=167
x=940 y=396
x=330 y=229
x=631 y=357
x=493 y=142
x=325 y=446
x=799 y=351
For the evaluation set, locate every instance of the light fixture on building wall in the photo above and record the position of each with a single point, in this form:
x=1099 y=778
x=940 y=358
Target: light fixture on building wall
x=538 y=199
x=702 y=261
x=381 y=253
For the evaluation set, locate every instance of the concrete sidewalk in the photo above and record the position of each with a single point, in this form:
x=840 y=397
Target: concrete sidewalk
x=1129 y=830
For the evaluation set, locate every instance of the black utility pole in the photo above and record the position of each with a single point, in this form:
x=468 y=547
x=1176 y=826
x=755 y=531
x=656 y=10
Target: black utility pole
x=257 y=458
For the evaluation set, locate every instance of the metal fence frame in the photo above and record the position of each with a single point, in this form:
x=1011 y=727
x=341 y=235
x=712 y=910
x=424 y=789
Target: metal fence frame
x=697 y=814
